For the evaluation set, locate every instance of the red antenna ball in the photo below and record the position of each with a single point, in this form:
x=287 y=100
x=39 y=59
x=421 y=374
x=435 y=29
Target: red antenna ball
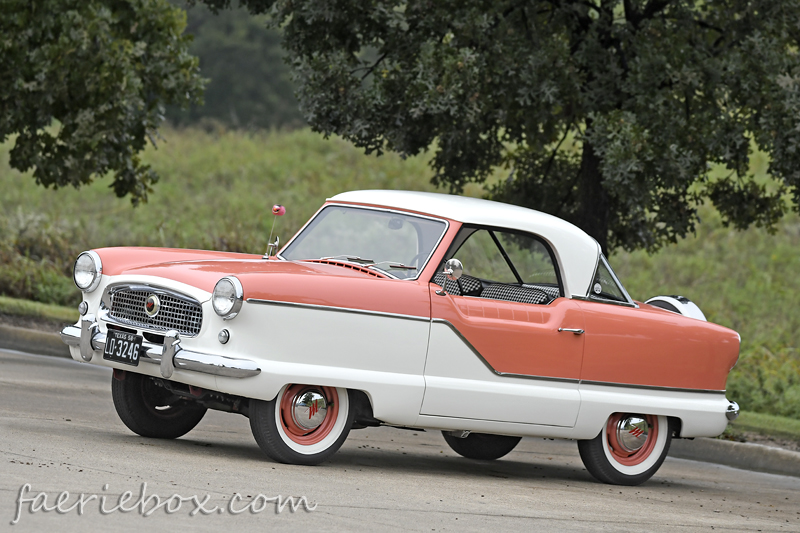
x=278 y=210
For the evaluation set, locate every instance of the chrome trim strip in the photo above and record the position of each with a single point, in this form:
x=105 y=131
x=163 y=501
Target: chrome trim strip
x=218 y=365
x=603 y=301
x=150 y=288
x=650 y=387
x=371 y=208
x=485 y=362
x=337 y=309
x=617 y=281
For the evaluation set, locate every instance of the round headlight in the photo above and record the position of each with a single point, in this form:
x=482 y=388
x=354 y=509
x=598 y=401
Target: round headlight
x=87 y=271
x=227 y=297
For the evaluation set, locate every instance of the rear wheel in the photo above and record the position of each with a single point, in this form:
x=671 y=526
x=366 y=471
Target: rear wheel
x=629 y=449
x=152 y=411
x=481 y=446
x=303 y=425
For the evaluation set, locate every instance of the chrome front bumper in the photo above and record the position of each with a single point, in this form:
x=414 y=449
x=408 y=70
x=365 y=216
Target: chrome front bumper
x=168 y=355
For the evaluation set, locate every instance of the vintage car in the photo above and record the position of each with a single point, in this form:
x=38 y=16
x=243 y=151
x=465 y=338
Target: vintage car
x=487 y=321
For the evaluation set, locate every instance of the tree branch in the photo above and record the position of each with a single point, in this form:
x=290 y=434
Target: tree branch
x=653 y=7
x=555 y=150
x=369 y=70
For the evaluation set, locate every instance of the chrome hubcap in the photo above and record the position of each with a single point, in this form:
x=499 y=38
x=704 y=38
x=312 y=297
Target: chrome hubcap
x=309 y=409
x=632 y=433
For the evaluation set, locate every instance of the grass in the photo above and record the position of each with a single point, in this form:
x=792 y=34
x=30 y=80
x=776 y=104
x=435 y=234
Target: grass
x=217 y=190
x=27 y=308
x=764 y=424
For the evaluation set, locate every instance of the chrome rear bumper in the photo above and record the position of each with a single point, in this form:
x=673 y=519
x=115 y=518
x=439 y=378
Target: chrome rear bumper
x=169 y=356
x=733 y=411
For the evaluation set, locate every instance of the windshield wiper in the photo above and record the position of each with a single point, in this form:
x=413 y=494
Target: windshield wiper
x=350 y=258
x=393 y=265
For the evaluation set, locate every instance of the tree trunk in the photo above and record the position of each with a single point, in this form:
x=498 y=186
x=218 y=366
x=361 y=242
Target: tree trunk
x=592 y=216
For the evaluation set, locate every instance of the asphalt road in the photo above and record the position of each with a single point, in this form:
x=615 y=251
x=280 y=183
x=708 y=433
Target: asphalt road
x=59 y=432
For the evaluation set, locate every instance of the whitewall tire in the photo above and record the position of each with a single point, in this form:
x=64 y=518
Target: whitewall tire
x=304 y=424
x=629 y=449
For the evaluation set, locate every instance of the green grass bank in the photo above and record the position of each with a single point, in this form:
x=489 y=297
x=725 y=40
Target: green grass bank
x=217 y=190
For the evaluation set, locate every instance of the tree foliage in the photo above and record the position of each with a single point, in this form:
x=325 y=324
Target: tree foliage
x=249 y=85
x=651 y=92
x=85 y=84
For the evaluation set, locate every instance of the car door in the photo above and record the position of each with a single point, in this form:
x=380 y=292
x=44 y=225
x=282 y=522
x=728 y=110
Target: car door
x=505 y=345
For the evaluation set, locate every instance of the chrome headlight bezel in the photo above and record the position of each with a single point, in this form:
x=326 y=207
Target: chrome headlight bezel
x=95 y=269
x=228 y=289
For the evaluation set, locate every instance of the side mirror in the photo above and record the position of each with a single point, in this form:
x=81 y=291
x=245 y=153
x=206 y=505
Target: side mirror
x=453 y=269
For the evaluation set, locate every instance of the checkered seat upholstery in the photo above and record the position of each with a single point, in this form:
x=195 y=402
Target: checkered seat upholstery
x=552 y=292
x=472 y=286
x=515 y=293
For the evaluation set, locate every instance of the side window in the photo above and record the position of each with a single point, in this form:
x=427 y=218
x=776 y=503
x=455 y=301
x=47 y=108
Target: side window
x=530 y=258
x=482 y=259
x=506 y=265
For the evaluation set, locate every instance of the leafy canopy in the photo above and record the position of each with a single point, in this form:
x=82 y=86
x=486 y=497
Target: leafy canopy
x=610 y=113
x=85 y=83
x=249 y=85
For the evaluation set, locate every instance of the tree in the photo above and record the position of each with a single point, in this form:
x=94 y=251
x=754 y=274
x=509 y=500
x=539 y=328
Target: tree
x=85 y=84
x=249 y=85
x=653 y=92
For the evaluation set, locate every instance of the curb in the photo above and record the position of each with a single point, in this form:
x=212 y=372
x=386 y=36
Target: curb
x=744 y=455
x=32 y=341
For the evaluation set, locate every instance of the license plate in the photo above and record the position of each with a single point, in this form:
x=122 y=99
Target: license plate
x=122 y=347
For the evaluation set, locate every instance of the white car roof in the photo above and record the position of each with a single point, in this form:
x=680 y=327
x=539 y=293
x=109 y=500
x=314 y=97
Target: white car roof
x=576 y=252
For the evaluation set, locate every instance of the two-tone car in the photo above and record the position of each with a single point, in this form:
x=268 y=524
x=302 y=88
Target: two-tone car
x=486 y=321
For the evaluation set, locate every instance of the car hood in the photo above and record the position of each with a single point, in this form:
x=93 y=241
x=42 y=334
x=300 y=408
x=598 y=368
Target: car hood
x=202 y=269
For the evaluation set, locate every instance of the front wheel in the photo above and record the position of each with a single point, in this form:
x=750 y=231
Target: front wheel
x=481 y=446
x=628 y=450
x=303 y=425
x=153 y=411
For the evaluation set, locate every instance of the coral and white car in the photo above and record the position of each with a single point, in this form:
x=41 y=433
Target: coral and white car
x=487 y=321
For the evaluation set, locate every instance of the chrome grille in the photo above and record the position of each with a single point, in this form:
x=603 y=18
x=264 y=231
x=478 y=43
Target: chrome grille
x=180 y=314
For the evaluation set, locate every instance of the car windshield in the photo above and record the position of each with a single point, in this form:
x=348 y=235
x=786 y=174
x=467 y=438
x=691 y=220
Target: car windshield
x=398 y=244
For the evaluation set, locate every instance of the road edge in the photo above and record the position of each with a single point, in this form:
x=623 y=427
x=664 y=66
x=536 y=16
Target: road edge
x=744 y=455
x=32 y=341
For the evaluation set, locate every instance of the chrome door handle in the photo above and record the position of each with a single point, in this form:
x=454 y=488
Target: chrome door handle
x=571 y=330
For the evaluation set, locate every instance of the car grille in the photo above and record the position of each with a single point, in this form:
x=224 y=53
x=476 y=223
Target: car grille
x=183 y=315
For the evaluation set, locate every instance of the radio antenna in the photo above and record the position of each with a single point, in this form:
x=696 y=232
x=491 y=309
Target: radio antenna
x=272 y=247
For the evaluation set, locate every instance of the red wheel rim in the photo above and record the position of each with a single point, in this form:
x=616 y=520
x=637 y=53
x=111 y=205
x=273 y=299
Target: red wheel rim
x=302 y=435
x=619 y=453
